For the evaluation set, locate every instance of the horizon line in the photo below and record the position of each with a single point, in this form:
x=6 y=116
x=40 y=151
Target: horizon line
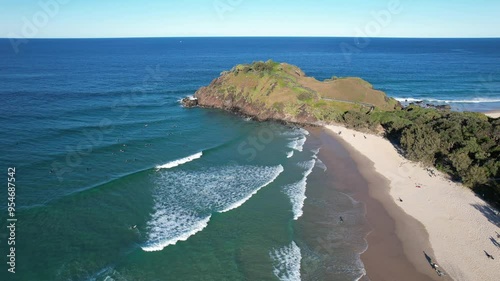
x=244 y=36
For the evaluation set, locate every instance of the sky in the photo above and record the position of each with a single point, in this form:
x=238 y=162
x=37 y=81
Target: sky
x=164 y=18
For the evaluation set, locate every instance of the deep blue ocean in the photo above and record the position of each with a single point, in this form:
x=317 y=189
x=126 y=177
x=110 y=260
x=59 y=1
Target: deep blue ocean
x=116 y=181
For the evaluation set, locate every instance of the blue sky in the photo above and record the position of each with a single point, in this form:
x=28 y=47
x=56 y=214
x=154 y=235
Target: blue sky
x=155 y=18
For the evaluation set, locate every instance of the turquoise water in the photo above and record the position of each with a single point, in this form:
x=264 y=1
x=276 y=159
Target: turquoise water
x=116 y=181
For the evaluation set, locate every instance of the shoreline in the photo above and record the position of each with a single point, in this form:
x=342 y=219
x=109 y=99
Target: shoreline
x=391 y=233
x=453 y=226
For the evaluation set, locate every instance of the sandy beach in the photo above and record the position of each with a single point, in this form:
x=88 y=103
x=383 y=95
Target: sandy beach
x=459 y=225
x=493 y=114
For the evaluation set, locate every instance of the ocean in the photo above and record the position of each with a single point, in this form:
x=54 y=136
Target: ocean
x=116 y=181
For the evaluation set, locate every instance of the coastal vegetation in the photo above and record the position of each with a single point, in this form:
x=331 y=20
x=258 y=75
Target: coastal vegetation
x=464 y=145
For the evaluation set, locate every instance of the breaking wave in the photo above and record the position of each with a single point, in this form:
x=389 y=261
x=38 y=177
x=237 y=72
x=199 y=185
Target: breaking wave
x=179 y=162
x=286 y=262
x=475 y=100
x=297 y=191
x=185 y=200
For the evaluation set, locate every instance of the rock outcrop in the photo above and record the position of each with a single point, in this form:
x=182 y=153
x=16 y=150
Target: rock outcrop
x=189 y=102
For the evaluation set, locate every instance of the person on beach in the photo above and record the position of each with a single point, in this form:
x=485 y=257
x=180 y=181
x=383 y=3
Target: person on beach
x=341 y=219
x=439 y=272
x=400 y=200
x=488 y=255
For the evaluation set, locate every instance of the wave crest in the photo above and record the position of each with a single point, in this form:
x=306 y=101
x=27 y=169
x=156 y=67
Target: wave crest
x=297 y=191
x=474 y=100
x=185 y=200
x=179 y=162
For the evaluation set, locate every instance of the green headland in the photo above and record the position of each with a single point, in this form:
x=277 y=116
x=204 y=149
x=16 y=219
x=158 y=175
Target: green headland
x=465 y=145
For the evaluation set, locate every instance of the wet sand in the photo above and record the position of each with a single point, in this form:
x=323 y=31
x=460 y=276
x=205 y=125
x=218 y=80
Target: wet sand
x=461 y=227
x=396 y=241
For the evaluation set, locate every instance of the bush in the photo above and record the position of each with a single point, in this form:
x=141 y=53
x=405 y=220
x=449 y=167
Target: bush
x=304 y=96
x=357 y=120
x=464 y=145
x=420 y=143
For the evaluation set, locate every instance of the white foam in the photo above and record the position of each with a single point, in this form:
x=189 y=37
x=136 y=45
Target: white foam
x=289 y=154
x=297 y=191
x=298 y=138
x=304 y=131
x=320 y=164
x=408 y=99
x=298 y=143
x=287 y=262
x=475 y=100
x=168 y=227
x=293 y=132
x=315 y=151
x=246 y=198
x=179 y=162
x=185 y=200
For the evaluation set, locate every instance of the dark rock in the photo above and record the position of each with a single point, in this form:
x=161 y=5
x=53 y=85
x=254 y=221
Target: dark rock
x=443 y=107
x=189 y=102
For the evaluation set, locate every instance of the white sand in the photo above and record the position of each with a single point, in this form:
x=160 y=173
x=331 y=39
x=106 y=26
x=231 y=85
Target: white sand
x=493 y=114
x=458 y=232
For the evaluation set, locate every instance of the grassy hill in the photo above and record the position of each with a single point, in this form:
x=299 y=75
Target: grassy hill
x=270 y=90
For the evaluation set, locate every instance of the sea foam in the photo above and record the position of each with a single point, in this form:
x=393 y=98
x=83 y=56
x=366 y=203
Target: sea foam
x=246 y=198
x=286 y=262
x=170 y=226
x=185 y=200
x=321 y=165
x=181 y=161
x=297 y=191
x=475 y=100
x=298 y=143
x=298 y=139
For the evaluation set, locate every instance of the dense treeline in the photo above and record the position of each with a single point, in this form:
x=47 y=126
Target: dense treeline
x=464 y=145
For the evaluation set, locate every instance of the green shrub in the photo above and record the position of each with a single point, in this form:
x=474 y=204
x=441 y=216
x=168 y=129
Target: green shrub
x=305 y=96
x=464 y=145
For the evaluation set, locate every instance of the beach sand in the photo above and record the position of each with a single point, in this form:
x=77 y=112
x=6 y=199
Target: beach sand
x=493 y=114
x=442 y=218
x=385 y=259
